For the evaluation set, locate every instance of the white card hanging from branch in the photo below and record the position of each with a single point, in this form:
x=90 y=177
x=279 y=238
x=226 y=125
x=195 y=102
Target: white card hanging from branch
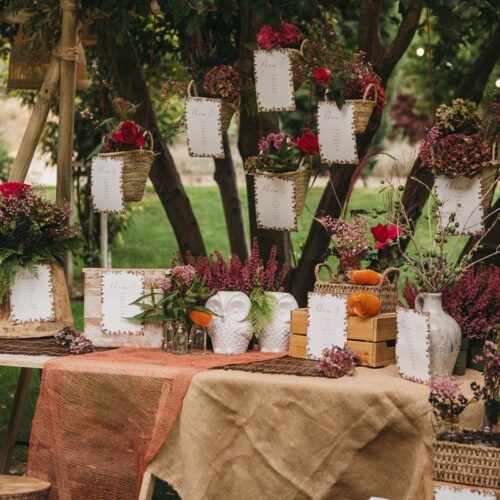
x=275 y=202
x=336 y=133
x=274 y=80
x=32 y=297
x=463 y=196
x=203 y=126
x=326 y=323
x=106 y=184
x=413 y=345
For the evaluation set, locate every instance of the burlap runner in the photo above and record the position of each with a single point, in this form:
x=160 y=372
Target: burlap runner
x=102 y=417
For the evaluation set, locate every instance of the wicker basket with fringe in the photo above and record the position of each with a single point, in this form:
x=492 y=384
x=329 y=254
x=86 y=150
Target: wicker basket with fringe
x=469 y=464
x=363 y=109
x=136 y=166
x=386 y=291
x=227 y=108
x=301 y=176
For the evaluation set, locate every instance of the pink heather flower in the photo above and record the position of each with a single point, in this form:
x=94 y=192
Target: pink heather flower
x=185 y=273
x=164 y=283
x=446 y=386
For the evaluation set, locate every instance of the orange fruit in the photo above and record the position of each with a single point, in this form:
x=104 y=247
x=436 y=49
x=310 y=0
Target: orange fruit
x=200 y=318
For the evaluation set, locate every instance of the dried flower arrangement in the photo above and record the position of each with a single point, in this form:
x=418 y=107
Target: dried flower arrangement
x=339 y=361
x=32 y=230
x=75 y=341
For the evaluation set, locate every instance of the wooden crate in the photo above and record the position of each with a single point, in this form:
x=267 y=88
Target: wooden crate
x=374 y=338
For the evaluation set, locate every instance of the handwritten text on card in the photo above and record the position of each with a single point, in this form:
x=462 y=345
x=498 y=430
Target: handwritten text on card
x=107 y=184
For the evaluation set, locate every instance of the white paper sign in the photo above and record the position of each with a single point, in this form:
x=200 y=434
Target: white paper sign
x=336 y=134
x=464 y=197
x=32 y=298
x=118 y=290
x=203 y=127
x=413 y=344
x=275 y=203
x=107 y=184
x=326 y=323
x=274 y=80
x=448 y=492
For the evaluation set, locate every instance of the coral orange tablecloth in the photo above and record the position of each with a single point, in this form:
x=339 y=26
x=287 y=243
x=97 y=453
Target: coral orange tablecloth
x=102 y=417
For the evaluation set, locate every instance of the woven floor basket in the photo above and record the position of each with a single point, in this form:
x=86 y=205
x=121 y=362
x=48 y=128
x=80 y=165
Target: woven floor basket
x=363 y=109
x=136 y=167
x=472 y=465
x=387 y=292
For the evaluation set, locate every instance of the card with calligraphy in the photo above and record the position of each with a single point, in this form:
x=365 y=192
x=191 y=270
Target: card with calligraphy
x=275 y=203
x=106 y=184
x=274 y=80
x=203 y=127
x=326 y=323
x=452 y=492
x=413 y=345
x=336 y=133
x=464 y=197
x=118 y=290
x=32 y=296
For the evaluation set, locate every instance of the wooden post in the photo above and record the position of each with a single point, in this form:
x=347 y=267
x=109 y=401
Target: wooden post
x=68 y=54
x=37 y=120
x=104 y=241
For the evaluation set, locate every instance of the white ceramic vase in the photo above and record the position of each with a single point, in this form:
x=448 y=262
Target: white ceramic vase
x=275 y=337
x=445 y=334
x=231 y=329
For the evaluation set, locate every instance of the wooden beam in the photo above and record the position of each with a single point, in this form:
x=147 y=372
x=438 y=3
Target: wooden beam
x=68 y=54
x=36 y=122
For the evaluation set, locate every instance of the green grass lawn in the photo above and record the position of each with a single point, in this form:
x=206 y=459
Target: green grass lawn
x=150 y=242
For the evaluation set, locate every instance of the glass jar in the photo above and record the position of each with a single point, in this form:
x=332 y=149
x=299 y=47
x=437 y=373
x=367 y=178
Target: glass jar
x=180 y=339
x=198 y=340
x=168 y=333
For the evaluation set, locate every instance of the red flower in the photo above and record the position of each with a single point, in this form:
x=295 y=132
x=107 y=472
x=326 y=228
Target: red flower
x=289 y=34
x=14 y=189
x=129 y=134
x=322 y=75
x=268 y=38
x=383 y=234
x=308 y=144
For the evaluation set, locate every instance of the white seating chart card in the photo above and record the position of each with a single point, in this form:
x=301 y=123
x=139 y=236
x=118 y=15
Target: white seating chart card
x=413 y=344
x=336 y=134
x=275 y=203
x=118 y=290
x=274 y=80
x=32 y=297
x=107 y=185
x=449 y=492
x=203 y=127
x=464 y=197
x=326 y=323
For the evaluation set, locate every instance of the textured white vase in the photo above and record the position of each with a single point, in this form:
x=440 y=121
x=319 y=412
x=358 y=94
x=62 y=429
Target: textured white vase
x=445 y=334
x=231 y=330
x=275 y=337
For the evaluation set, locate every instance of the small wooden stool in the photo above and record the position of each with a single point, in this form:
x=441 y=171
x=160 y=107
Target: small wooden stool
x=23 y=488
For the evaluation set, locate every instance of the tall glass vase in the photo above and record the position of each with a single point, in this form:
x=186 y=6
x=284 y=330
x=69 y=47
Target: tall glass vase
x=180 y=339
x=198 y=340
x=168 y=333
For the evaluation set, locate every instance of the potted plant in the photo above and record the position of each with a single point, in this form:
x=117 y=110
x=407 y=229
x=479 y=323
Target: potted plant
x=282 y=156
x=126 y=140
x=177 y=302
x=34 y=231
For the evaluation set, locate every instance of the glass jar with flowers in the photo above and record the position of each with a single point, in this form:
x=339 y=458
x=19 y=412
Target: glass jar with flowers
x=126 y=140
x=173 y=301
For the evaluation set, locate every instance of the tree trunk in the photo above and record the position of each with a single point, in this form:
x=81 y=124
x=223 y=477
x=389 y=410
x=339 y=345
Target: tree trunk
x=126 y=69
x=249 y=135
x=225 y=176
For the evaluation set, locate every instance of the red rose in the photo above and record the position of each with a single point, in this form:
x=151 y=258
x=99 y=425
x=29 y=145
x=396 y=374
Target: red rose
x=14 y=189
x=289 y=34
x=383 y=234
x=308 y=144
x=139 y=140
x=268 y=38
x=127 y=134
x=322 y=75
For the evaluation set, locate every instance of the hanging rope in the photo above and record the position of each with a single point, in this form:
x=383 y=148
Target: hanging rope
x=148 y=101
x=310 y=105
x=66 y=53
x=430 y=64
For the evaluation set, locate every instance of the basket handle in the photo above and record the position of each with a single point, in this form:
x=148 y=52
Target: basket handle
x=302 y=165
x=495 y=151
x=386 y=273
x=150 y=135
x=302 y=45
x=317 y=269
x=365 y=93
x=193 y=85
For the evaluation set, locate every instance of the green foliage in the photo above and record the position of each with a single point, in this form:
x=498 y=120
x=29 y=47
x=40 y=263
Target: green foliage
x=262 y=305
x=5 y=161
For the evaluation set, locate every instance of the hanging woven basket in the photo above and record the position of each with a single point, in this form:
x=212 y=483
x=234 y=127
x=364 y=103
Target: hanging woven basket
x=363 y=109
x=227 y=108
x=386 y=291
x=298 y=65
x=27 y=67
x=136 y=166
x=301 y=176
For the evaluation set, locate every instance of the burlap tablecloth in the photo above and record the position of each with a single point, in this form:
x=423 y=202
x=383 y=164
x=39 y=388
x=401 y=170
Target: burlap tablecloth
x=257 y=436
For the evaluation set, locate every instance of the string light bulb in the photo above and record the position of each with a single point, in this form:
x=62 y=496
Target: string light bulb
x=497 y=84
x=420 y=51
